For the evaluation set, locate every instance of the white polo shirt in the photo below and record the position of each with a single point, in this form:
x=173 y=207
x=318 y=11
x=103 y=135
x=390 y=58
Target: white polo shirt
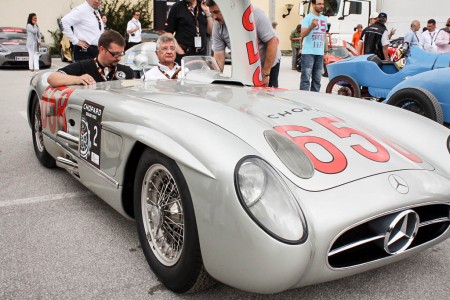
x=86 y=22
x=134 y=37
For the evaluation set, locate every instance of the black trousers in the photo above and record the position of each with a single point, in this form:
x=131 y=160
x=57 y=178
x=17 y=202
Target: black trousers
x=80 y=53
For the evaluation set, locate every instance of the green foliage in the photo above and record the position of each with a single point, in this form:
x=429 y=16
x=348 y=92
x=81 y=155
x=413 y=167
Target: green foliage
x=57 y=36
x=119 y=12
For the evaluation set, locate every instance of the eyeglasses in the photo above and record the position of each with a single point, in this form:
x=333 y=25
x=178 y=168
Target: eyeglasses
x=165 y=49
x=215 y=12
x=115 y=54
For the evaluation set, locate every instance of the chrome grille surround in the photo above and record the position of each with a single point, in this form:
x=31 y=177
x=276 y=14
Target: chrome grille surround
x=389 y=234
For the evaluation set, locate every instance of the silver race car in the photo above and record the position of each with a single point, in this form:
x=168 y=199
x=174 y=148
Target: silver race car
x=262 y=189
x=13 y=49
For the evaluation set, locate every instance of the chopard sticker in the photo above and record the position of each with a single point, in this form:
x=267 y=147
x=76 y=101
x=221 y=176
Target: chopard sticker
x=121 y=75
x=90 y=132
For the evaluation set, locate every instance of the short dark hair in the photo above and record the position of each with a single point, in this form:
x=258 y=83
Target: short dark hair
x=30 y=17
x=431 y=21
x=136 y=11
x=111 y=36
x=210 y=3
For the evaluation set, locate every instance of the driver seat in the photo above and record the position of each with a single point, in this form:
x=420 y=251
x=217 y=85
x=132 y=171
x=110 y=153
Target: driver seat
x=387 y=66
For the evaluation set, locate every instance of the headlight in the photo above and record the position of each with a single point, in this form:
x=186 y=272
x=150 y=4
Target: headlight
x=3 y=49
x=43 y=50
x=269 y=202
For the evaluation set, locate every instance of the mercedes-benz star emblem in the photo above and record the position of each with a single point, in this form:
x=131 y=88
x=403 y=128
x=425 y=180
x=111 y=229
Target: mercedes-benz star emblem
x=399 y=184
x=401 y=232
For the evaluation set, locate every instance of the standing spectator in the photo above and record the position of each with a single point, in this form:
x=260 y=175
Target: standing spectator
x=314 y=28
x=411 y=37
x=83 y=26
x=428 y=37
x=105 y=22
x=167 y=68
x=104 y=67
x=443 y=39
x=374 y=38
x=33 y=42
x=190 y=21
x=296 y=45
x=268 y=43
x=357 y=35
x=134 y=30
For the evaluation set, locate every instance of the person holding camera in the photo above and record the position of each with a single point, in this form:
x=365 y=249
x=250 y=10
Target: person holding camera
x=134 y=30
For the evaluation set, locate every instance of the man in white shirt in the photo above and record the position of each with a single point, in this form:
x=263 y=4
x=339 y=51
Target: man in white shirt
x=428 y=37
x=134 y=30
x=167 y=68
x=83 y=27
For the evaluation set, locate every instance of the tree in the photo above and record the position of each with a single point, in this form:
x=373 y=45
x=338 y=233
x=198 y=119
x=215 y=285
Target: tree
x=119 y=12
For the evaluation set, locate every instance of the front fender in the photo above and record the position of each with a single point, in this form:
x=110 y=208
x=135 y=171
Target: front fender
x=160 y=142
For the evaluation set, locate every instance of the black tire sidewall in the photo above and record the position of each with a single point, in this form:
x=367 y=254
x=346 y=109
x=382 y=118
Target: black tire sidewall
x=420 y=97
x=183 y=275
x=43 y=156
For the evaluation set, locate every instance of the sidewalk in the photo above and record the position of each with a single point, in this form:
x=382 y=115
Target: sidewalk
x=290 y=79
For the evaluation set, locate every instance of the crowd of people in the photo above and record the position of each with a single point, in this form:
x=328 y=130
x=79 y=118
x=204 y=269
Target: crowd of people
x=195 y=27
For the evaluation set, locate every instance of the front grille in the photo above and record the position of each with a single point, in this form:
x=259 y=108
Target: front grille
x=389 y=235
x=14 y=54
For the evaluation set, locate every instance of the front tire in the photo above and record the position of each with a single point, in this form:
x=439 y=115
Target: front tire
x=420 y=101
x=344 y=86
x=166 y=224
x=38 y=137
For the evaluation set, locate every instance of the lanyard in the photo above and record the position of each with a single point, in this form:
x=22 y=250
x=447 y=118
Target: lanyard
x=194 y=12
x=104 y=74
x=174 y=76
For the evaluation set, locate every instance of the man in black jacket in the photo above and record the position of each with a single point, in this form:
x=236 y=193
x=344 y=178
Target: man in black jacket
x=104 y=67
x=374 y=39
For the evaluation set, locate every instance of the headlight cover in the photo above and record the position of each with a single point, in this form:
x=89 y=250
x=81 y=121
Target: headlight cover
x=294 y=158
x=269 y=202
x=3 y=49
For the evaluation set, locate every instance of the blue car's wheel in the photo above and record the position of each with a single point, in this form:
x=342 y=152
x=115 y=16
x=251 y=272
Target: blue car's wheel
x=344 y=86
x=420 y=101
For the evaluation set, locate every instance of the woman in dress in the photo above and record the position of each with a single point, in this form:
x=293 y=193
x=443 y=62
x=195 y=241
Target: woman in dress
x=33 y=42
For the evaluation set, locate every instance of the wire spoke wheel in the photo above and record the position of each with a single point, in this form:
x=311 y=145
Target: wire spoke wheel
x=162 y=214
x=343 y=86
x=38 y=136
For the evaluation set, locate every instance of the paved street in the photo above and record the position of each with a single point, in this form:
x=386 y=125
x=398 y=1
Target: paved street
x=58 y=241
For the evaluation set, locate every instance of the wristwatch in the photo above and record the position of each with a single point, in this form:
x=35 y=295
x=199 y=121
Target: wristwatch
x=209 y=15
x=266 y=74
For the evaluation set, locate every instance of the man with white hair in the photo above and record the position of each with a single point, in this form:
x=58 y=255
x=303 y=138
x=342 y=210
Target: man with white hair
x=411 y=38
x=167 y=68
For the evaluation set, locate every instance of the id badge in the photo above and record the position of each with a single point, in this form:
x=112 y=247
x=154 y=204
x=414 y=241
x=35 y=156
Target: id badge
x=198 y=41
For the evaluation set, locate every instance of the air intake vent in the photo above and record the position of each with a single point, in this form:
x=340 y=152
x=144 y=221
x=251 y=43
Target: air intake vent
x=389 y=235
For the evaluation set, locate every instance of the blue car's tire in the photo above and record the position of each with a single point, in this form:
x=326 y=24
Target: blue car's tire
x=166 y=224
x=420 y=101
x=344 y=86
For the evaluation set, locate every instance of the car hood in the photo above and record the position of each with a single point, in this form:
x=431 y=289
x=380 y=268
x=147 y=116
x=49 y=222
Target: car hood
x=247 y=112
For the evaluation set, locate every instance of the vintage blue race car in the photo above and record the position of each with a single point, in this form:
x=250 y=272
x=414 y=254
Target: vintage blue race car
x=367 y=76
x=425 y=93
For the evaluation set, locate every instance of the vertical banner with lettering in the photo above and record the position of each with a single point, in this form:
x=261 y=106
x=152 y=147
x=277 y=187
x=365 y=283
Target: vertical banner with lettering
x=90 y=132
